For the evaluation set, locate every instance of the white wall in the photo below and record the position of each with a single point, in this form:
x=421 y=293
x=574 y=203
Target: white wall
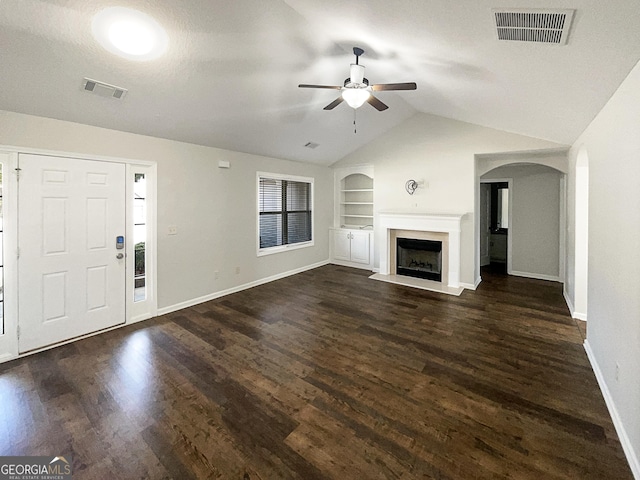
x=613 y=330
x=535 y=216
x=581 y=240
x=214 y=209
x=441 y=152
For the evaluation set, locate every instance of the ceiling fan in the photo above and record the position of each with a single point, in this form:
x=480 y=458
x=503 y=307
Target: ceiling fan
x=356 y=89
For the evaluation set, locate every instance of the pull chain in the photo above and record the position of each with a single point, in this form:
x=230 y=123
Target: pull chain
x=355 y=128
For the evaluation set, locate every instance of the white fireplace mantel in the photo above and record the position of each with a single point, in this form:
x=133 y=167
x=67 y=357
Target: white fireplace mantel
x=423 y=222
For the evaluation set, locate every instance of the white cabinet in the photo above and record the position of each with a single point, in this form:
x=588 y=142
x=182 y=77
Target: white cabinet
x=352 y=247
x=360 y=242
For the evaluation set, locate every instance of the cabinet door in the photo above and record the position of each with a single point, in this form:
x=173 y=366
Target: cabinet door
x=341 y=245
x=360 y=247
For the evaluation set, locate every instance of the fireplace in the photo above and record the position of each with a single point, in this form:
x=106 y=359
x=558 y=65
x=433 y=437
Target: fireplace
x=419 y=258
x=444 y=228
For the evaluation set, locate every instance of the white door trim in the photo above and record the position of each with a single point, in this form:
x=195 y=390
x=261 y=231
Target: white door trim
x=9 y=155
x=9 y=341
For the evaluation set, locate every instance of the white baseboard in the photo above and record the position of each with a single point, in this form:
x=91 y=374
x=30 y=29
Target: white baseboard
x=140 y=318
x=572 y=310
x=471 y=286
x=239 y=288
x=568 y=301
x=537 y=276
x=5 y=357
x=632 y=456
x=342 y=263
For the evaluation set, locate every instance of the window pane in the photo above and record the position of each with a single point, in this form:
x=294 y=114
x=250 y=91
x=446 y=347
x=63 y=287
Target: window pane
x=270 y=195
x=297 y=196
x=271 y=230
x=139 y=233
x=139 y=213
x=299 y=227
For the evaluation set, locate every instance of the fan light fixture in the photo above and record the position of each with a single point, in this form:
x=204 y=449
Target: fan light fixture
x=355 y=97
x=357 y=90
x=129 y=33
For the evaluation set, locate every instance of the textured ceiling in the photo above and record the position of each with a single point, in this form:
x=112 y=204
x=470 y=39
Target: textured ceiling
x=230 y=76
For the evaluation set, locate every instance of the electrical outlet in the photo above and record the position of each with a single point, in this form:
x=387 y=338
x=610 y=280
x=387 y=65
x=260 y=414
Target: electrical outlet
x=173 y=230
x=617 y=371
x=216 y=275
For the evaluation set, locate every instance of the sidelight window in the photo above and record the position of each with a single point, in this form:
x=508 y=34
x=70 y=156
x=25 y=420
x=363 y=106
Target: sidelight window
x=140 y=236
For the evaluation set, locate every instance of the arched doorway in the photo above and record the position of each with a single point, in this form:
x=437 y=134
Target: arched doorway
x=552 y=161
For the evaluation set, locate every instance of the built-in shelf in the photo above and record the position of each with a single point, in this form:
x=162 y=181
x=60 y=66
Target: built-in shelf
x=356 y=199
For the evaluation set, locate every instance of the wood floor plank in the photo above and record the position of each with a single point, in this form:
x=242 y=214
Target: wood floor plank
x=325 y=374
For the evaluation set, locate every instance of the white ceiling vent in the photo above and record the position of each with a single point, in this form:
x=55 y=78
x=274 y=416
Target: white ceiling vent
x=103 y=89
x=533 y=25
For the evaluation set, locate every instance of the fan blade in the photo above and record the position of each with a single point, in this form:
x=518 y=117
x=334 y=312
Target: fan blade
x=332 y=87
x=334 y=104
x=377 y=104
x=394 y=86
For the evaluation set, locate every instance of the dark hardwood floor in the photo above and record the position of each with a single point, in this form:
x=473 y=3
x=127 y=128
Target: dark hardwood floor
x=325 y=374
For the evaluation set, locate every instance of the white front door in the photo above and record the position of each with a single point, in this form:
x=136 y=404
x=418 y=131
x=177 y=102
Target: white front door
x=70 y=279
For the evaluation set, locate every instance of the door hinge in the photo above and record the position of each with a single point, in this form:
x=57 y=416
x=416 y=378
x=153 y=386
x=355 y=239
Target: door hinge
x=18 y=170
x=18 y=331
x=18 y=252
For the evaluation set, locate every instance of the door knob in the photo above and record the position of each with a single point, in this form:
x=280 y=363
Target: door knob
x=120 y=256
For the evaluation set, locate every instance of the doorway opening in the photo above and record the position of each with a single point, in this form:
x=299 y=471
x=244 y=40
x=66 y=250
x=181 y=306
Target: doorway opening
x=495 y=213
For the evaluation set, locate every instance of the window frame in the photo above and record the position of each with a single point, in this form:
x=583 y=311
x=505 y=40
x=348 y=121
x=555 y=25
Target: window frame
x=290 y=246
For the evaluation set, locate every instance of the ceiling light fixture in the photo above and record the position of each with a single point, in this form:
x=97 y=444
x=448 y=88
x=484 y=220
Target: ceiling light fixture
x=355 y=97
x=129 y=33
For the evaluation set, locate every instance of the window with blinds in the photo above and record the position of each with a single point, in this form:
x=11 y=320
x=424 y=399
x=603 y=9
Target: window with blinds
x=284 y=210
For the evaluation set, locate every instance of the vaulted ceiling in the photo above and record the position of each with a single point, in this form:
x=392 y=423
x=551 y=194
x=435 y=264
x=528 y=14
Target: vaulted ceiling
x=229 y=78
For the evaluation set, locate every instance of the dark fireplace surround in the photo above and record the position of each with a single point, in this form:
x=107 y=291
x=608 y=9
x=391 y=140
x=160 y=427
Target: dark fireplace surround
x=419 y=258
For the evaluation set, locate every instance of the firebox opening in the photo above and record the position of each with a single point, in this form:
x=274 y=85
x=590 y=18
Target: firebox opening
x=419 y=258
